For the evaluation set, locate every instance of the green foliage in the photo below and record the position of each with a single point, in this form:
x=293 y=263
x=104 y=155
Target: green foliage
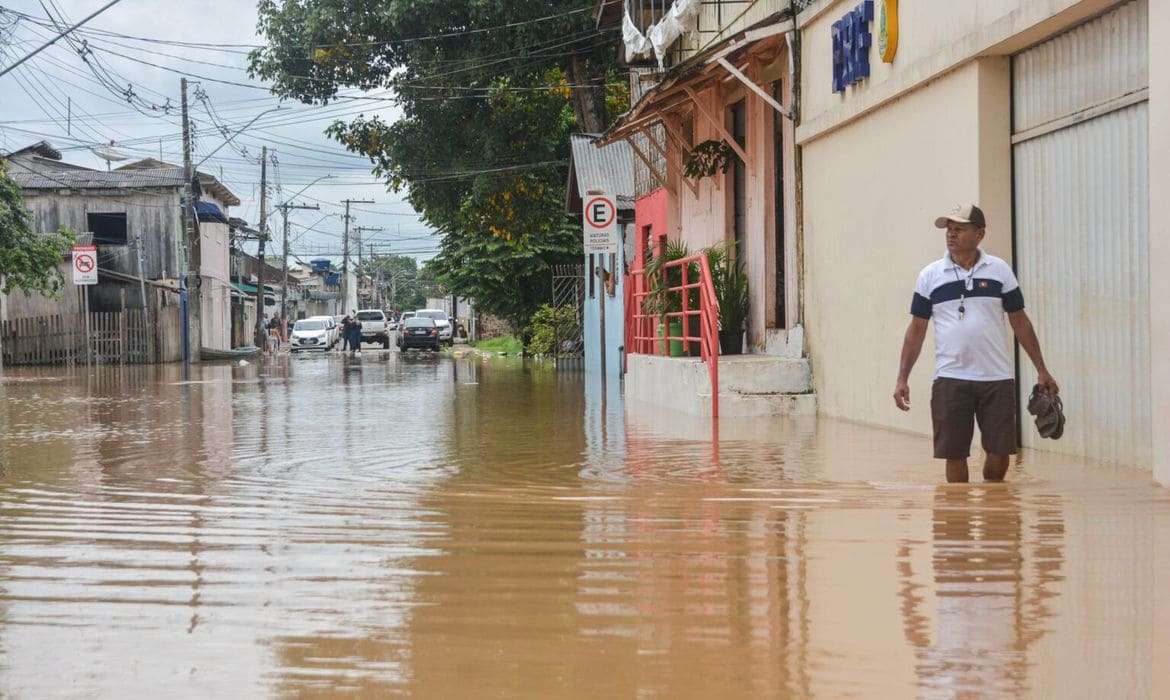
x=551 y=324
x=28 y=260
x=708 y=158
x=660 y=300
x=731 y=286
x=507 y=344
x=482 y=141
x=399 y=274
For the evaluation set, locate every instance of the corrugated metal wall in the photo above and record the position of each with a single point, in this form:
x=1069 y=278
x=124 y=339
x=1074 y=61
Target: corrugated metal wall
x=1082 y=232
x=1092 y=64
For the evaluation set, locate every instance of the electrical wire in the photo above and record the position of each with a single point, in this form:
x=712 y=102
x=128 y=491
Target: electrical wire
x=404 y=40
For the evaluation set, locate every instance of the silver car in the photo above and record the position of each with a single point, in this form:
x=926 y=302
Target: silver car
x=442 y=320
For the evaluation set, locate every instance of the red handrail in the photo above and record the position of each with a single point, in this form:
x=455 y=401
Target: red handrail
x=640 y=326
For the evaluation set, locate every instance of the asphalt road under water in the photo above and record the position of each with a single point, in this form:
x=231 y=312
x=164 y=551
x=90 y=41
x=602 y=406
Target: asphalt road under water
x=470 y=528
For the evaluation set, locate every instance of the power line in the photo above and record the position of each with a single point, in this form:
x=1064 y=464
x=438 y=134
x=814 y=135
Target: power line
x=55 y=39
x=403 y=40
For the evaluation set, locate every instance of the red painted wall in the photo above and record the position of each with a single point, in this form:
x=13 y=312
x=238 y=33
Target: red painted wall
x=649 y=210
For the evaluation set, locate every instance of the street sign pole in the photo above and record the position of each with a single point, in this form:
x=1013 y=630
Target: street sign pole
x=85 y=274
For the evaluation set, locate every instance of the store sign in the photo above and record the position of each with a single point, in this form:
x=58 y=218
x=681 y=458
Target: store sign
x=888 y=31
x=85 y=264
x=600 y=224
x=851 y=42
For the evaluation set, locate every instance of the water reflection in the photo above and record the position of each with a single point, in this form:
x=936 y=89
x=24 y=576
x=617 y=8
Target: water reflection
x=423 y=526
x=992 y=574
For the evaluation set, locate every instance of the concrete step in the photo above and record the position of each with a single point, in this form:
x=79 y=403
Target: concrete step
x=733 y=404
x=764 y=374
x=749 y=385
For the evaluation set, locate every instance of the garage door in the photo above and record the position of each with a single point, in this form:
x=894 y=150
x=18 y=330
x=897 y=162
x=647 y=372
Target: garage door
x=1080 y=142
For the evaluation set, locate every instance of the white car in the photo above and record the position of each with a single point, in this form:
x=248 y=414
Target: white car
x=309 y=334
x=331 y=325
x=374 y=326
x=442 y=320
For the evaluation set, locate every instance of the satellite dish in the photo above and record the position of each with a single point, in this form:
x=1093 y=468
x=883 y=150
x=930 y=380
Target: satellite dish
x=108 y=154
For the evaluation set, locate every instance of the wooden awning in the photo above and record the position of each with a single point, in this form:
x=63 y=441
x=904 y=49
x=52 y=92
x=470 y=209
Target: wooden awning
x=676 y=91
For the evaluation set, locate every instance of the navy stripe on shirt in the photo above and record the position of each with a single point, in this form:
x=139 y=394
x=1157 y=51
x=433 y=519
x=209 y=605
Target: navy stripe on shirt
x=979 y=288
x=1013 y=301
x=920 y=306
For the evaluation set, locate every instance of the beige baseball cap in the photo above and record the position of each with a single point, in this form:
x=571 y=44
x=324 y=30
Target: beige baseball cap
x=963 y=214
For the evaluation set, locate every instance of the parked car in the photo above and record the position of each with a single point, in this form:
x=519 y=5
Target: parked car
x=391 y=323
x=419 y=333
x=446 y=329
x=309 y=334
x=330 y=324
x=374 y=326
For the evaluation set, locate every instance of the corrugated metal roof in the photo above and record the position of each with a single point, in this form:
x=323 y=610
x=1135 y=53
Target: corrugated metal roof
x=609 y=168
x=95 y=179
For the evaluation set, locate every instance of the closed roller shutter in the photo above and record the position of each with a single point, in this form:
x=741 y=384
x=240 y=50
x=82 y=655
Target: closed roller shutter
x=1080 y=141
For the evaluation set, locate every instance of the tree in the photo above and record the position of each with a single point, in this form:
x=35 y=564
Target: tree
x=399 y=276
x=489 y=99
x=28 y=260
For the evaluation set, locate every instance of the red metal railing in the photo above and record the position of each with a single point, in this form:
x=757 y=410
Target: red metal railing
x=642 y=336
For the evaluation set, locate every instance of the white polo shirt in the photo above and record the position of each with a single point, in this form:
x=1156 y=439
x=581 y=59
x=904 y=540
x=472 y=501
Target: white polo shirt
x=976 y=347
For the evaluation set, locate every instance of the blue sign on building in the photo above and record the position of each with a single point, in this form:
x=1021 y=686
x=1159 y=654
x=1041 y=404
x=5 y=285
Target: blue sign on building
x=851 y=42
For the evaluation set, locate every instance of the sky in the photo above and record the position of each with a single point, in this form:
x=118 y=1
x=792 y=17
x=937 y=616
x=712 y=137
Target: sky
x=80 y=107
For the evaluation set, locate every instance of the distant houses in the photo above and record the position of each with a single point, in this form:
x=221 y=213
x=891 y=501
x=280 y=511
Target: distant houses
x=134 y=215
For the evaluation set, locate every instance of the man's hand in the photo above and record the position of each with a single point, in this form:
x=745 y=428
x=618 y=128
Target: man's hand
x=1045 y=380
x=902 y=396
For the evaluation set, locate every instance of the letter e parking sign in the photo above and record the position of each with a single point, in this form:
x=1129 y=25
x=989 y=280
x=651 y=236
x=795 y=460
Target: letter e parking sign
x=600 y=224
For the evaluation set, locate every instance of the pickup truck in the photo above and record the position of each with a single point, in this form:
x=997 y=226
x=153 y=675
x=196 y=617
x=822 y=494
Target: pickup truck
x=374 y=327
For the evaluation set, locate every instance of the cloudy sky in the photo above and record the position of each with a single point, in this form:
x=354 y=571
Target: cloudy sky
x=145 y=45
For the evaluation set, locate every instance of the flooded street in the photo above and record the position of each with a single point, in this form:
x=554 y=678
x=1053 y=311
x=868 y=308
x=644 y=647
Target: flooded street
x=470 y=528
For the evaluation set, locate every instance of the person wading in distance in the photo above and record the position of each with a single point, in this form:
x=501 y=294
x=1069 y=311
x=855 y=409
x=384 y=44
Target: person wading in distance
x=967 y=293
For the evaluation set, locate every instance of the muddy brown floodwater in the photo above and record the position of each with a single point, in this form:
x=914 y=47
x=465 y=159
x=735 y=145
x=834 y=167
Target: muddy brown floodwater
x=456 y=528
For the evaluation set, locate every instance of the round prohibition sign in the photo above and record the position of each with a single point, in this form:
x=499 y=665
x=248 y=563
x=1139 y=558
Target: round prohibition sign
x=600 y=212
x=83 y=262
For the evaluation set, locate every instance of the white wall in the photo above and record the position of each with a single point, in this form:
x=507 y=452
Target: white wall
x=934 y=38
x=215 y=293
x=1160 y=233
x=871 y=193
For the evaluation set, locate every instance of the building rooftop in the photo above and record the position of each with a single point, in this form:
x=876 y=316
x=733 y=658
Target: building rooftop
x=609 y=169
x=41 y=168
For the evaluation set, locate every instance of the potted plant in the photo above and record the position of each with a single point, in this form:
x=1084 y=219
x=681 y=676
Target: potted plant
x=732 y=295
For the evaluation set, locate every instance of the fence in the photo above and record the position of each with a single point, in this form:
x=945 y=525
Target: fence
x=568 y=293
x=116 y=337
x=641 y=323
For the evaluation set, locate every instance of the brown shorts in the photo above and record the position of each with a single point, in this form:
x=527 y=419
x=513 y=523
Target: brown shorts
x=955 y=404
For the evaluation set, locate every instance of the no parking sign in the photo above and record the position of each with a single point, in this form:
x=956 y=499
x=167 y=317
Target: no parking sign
x=600 y=224
x=85 y=264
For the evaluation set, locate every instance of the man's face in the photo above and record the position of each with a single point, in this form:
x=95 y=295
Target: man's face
x=963 y=238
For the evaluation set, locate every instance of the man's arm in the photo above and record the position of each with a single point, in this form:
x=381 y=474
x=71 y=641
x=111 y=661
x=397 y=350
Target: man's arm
x=911 y=348
x=1026 y=334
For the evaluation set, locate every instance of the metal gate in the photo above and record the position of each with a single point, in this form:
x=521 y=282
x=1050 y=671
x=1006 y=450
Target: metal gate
x=568 y=292
x=1080 y=146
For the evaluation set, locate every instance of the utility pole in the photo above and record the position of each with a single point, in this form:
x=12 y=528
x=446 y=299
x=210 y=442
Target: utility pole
x=284 y=254
x=345 y=249
x=191 y=273
x=259 y=334
x=377 y=278
x=360 y=230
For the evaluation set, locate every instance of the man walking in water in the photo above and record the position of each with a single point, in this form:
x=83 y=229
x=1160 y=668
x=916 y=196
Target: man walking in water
x=967 y=293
